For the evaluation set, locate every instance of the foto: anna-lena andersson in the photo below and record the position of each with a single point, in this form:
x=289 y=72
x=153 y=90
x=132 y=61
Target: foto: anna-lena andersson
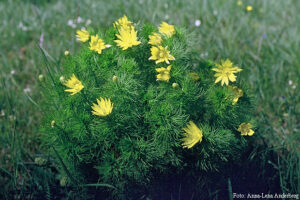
x=272 y=196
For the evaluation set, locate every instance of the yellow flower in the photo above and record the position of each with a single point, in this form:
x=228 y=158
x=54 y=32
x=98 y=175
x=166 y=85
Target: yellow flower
x=249 y=8
x=164 y=73
x=161 y=54
x=239 y=3
x=82 y=35
x=166 y=29
x=237 y=93
x=97 y=44
x=225 y=72
x=155 y=39
x=67 y=52
x=127 y=38
x=74 y=84
x=124 y=23
x=192 y=134
x=245 y=129
x=103 y=107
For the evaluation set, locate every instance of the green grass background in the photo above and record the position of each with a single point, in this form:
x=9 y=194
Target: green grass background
x=264 y=42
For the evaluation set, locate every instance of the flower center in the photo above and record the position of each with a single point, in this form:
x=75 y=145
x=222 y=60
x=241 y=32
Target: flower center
x=245 y=129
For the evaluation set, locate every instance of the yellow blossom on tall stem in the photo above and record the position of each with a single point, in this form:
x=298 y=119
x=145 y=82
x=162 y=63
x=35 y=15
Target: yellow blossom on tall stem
x=155 y=39
x=164 y=73
x=124 y=23
x=249 y=8
x=127 y=38
x=239 y=3
x=97 y=44
x=161 y=54
x=82 y=35
x=225 y=72
x=245 y=129
x=103 y=107
x=166 y=29
x=74 y=84
x=192 y=134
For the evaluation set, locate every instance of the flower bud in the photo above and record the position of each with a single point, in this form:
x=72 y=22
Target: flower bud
x=53 y=123
x=175 y=85
x=40 y=161
x=115 y=79
x=63 y=182
x=12 y=118
x=41 y=77
x=62 y=79
x=194 y=76
x=67 y=53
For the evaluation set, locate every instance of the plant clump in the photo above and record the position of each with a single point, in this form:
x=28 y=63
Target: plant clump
x=137 y=102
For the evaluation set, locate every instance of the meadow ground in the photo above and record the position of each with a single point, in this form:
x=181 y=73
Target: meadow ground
x=264 y=42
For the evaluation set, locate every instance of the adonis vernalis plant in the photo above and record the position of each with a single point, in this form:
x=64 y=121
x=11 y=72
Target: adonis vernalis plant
x=142 y=105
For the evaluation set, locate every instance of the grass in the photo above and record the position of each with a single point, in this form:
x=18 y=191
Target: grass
x=264 y=42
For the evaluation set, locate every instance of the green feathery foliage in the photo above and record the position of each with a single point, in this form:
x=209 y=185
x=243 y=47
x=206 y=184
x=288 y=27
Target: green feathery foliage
x=141 y=138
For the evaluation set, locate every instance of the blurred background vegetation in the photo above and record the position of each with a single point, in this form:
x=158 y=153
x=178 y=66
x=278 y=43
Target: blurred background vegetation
x=264 y=42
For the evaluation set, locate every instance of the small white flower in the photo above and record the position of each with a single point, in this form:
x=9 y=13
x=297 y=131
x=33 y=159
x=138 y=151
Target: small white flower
x=88 y=22
x=22 y=27
x=12 y=72
x=294 y=86
x=215 y=12
x=2 y=113
x=79 y=19
x=12 y=118
x=27 y=90
x=71 y=23
x=41 y=39
x=166 y=16
x=290 y=82
x=205 y=54
x=197 y=22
